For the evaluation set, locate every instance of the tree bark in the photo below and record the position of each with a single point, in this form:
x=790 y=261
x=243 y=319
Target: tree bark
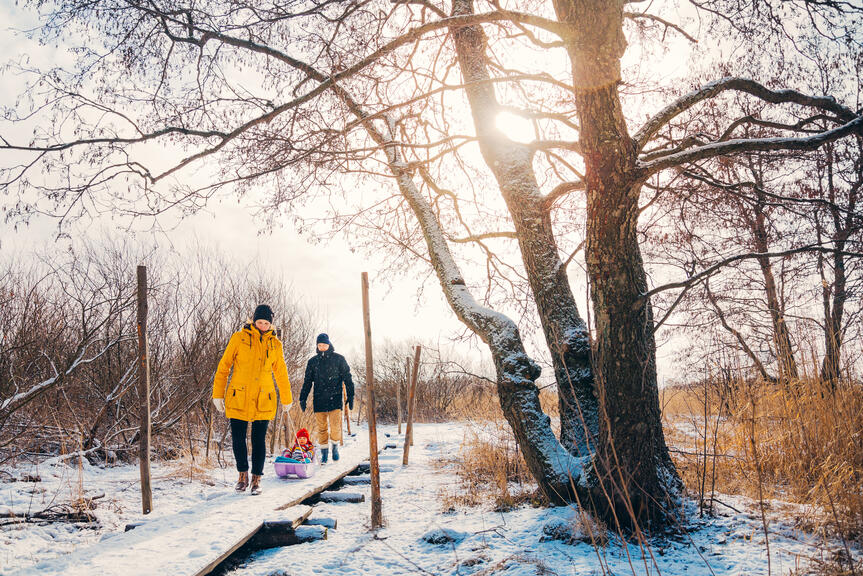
x=565 y=332
x=634 y=464
x=834 y=308
x=781 y=336
x=557 y=472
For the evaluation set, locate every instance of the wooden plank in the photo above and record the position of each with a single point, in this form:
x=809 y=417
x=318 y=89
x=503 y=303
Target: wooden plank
x=316 y=490
x=244 y=537
x=197 y=539
x=298 y=517
x=294 y=520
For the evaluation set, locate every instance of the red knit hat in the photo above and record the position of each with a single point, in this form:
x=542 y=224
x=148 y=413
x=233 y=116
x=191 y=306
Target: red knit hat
x=303 y=432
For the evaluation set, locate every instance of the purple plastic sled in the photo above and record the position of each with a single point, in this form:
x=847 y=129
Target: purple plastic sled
x=298 y=469
x=284 y=469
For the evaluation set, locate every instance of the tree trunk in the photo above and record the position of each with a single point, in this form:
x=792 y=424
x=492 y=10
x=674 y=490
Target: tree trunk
x=556 y=471
x=781 y=336
x=565 y=331
x=834 y=309
x=634 y=465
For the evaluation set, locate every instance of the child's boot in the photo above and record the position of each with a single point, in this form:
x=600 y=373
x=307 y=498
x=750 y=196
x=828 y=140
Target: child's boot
x=325 y=453
x=243 y=482
x=335 y=452
x=256 y=485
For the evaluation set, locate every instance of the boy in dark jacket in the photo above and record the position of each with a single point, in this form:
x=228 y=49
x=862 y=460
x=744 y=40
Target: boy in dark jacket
x=326 y=372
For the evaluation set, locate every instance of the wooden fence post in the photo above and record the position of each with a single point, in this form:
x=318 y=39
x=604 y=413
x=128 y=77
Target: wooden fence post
x=399 y=393
x=377 y=516
x=209 y=431
x=274 y=430
x=144 y=393
x=347 y=411
x=409 y=432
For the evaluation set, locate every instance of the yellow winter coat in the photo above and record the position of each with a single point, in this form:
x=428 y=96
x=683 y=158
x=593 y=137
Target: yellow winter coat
x=255 y=357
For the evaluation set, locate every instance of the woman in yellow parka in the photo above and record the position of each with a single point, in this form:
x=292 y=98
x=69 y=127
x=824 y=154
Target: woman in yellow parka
x=255 y=354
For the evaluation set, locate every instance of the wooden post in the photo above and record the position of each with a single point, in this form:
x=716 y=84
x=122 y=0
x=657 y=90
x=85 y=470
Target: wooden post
x=377 y=516
x=399 y=392
x=274 y=430
x=341 y=419
x=144 y=393
x=359 y=401
x=409 y=432
x=209 y=431
x=347 y=411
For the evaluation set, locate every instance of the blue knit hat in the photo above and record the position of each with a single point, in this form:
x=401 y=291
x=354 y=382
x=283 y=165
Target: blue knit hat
x=323 y=339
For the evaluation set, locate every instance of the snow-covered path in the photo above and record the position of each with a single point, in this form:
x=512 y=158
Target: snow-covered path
x=186 y=540
x=419 y=537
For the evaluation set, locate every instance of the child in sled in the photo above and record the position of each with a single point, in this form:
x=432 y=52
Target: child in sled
x=303 y=451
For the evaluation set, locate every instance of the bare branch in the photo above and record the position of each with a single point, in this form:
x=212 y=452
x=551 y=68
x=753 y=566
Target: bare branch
x=741 y=85
x=737 y=146
x=715 y=268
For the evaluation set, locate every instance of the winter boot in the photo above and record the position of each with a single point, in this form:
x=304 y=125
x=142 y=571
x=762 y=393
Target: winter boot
x=243 y=482
x=325 y=453
x=256 y=485
x=335 y=452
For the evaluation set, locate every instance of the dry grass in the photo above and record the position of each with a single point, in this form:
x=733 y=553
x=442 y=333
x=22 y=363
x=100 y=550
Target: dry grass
x=489 y=468
x=800 y=442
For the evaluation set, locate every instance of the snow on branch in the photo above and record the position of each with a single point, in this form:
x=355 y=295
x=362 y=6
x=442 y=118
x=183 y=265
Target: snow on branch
x=687 y=101
x=16 y=401
x=741 y=145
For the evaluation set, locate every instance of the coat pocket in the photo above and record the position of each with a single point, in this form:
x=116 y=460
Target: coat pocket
x=236 y=398
x=266 y=400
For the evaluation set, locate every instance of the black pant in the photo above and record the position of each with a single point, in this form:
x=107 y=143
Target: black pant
x=259 y=452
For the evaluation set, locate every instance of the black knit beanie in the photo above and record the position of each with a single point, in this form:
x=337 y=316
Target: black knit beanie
x=263 y=312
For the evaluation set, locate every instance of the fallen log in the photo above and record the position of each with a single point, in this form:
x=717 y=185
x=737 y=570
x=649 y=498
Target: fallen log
x=357 y=480
x=337 y=497
x=282 y=533
x=330 y=523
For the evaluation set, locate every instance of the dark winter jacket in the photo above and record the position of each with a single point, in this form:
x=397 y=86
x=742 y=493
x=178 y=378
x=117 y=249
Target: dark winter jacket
x=326 y=371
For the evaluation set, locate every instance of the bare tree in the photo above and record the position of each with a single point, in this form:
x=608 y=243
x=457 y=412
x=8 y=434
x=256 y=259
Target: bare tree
x=69 y=352
x=368 y=89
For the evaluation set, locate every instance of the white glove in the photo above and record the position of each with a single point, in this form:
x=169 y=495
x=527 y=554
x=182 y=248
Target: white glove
x=286 y=407
x=219 y=403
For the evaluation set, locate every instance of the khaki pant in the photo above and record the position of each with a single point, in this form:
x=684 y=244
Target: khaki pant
x=333 y=418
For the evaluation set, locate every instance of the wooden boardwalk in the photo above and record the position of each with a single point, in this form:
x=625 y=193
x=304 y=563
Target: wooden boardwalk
x=194 y=541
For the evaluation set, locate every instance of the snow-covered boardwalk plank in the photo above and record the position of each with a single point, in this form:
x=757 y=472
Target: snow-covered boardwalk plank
x=194 y=541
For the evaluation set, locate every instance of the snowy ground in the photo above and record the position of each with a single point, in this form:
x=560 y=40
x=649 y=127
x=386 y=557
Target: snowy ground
x=418 y=538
